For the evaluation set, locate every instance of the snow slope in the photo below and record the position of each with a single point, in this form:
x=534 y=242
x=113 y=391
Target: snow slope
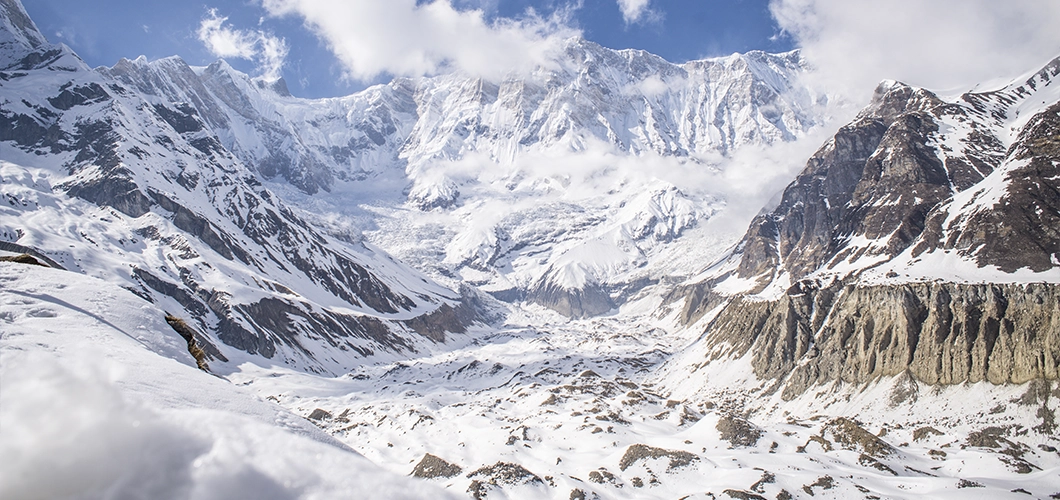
x=601 y=185
x=100 y=399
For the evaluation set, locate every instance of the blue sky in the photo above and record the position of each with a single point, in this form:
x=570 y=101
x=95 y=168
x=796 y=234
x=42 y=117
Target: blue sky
x=335 y=47
x=103 y=31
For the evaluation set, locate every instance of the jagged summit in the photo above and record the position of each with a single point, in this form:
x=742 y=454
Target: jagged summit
x=23 y=47
x=914 y=179
x=18 y=34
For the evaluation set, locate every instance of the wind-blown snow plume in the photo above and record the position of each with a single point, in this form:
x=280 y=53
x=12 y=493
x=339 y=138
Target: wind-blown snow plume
x=401 y=37
x=942 y=44
x=223 y=41
x=634 y=10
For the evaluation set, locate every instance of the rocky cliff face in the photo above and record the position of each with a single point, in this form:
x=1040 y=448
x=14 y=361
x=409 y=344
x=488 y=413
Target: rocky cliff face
x=939 y=333
x=921 y=239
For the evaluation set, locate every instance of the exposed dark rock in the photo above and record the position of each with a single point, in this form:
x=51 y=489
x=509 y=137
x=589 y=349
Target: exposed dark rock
x=272 y=320
x=319 y=415
x=78 y=96
x=97 y=144
x=479 y=490
x=431 y=467
x=823 y=482
x=1022 y=229
x=24 y=258
x=186 y=299
x=743 y=495
x=767 y=478
x=925 y=433
x=189 y=335
x=33 y=133
x=853 y=437
x=868 y=461
x=30 y=251
x=23 y=26
x=182 y=117
x=603 y=476
x=1012 y=452
x=500 y=474
x=445 y=319
x=940 y=333
x=201 y=228
x=590 y=300
x=738 y=432
x=638 y=452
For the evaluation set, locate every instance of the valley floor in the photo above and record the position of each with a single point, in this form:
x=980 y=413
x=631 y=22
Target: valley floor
x=583 y=409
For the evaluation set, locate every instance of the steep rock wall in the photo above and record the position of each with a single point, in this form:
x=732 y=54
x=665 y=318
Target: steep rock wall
x=941 y=333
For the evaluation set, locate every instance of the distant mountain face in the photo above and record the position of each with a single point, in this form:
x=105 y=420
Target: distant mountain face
x=114 y=182
x=923 y=238
x=633 y=100
x=504 y=184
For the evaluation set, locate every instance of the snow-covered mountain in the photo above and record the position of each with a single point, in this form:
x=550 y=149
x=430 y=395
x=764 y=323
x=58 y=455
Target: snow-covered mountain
x=113 y=182
x=505 y=184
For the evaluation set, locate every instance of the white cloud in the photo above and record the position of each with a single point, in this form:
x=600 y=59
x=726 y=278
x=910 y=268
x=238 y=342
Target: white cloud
x=399 y=37
x=633 y=10
x=941 y=45
x=223 y=41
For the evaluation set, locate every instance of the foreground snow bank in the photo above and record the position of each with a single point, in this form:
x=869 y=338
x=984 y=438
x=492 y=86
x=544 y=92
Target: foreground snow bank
x=100 y=399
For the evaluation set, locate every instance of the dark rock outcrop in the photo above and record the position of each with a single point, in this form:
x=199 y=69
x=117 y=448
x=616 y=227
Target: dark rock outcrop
x=497 y=476
x=638 y=452
x=738 y=432
x=590 y=300
x=852 y=436
x=431 y=467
